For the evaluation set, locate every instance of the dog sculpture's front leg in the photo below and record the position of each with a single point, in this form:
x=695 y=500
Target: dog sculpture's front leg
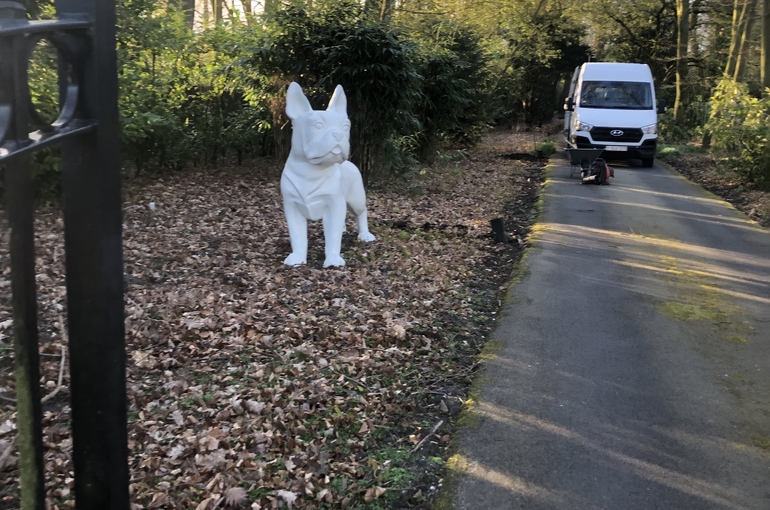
x=297 y=233
x=334 y=225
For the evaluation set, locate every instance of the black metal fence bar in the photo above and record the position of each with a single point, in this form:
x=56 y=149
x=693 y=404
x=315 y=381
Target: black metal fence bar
x=28 y=408
x=93 y=242
x=22 y=247
x=88 y=129
x=32 y=27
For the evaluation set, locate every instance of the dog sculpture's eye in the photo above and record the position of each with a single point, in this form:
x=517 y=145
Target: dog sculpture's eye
x=346 y=126
x=318 y=125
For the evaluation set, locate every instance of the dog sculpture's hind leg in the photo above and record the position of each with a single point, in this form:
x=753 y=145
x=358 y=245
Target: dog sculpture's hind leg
x=355 y=198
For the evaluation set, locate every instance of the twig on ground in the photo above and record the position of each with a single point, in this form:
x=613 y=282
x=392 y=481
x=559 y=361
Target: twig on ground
x=61 y=376
x=65 y=341
x=58 y=385
x=353 y=379
x=460 y=373
x=435 y=428
x=7 y=453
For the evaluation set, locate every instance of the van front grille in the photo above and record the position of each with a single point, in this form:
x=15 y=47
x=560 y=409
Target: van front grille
x=604 y=134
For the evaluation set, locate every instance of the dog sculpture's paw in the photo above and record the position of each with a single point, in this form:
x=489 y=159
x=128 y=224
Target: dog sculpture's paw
x=334 y=260
x=294 y=260
x=366 y=237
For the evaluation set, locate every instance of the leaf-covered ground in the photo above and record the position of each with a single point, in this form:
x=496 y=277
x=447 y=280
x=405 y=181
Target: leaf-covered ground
x=716 y=177
x=256 y=385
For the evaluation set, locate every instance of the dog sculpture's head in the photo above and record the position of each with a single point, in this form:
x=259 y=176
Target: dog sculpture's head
x=321 y=137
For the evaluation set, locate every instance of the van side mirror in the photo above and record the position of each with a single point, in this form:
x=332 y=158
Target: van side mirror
x=662 y=106
x=569 y=104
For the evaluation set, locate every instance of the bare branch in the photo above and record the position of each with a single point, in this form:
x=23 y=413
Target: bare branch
x=435 y=428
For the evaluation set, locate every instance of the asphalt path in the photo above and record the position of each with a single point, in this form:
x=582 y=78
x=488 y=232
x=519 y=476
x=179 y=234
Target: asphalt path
x=631 y=367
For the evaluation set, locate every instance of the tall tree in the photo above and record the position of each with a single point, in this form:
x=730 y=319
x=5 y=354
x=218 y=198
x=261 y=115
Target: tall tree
x=743 y=49
x=642 y=31
x=683 y=39
x=764 y=66
x=188 y=7
x=734 y=38
x=743 y=12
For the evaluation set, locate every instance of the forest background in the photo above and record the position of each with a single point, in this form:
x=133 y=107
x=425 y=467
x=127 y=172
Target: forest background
x=202 y=83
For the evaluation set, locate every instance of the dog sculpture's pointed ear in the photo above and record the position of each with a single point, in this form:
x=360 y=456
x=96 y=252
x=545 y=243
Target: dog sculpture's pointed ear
x=296 y=102
x=338 y=103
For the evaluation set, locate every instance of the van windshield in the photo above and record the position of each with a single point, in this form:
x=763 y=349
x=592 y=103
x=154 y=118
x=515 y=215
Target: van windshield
x=617 y=95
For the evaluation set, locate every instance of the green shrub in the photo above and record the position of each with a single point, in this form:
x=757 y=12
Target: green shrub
x=178 y=105
x=665 y=152
x=329 y=43
x=541 y=49
x=669 y=131
x=455 y=101
x=740 y=125
x=548 y=147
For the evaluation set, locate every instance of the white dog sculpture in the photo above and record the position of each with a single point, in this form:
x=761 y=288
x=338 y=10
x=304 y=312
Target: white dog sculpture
x=318 y=183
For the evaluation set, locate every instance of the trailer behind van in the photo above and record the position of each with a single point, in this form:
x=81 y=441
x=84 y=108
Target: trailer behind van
x=612 y=106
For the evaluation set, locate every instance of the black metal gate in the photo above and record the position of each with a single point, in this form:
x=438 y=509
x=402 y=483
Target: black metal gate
x=88 y=130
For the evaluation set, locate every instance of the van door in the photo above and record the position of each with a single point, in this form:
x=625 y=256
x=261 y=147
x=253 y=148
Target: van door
x=567 y=113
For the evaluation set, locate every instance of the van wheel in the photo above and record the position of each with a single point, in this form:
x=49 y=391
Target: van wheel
x=648 y=162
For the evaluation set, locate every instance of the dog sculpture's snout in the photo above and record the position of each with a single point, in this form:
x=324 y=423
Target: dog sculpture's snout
x=338 y=136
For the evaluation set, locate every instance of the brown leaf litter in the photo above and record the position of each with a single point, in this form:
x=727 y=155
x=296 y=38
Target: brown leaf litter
x=252 y=384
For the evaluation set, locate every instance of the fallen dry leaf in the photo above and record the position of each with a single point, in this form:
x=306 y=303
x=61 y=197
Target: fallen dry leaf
x=287 y=496
x=236 y=497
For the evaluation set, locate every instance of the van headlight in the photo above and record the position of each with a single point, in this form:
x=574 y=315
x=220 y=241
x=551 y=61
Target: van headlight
x=582 y=126
x=650 y=130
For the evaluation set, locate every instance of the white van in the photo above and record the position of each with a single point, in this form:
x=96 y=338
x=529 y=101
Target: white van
x=612 y=105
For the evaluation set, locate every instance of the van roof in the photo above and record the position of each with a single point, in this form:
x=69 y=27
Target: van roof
x=620 y=71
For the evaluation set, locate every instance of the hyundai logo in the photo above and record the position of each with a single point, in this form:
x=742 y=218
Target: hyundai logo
x=616 y=132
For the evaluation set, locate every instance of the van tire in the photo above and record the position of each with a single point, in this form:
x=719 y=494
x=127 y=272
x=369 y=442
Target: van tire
x=648 y=162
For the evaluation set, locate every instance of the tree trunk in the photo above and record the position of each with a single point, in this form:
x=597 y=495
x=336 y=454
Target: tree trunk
x=740 y=16
x=764 y=67
x=381 y=10
x=189 y=12
x=743 y=49
x=386 y=10
x=730 y=64
x=683 y=39
x=694 y=48
x=217 y=8
x=232 y=15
